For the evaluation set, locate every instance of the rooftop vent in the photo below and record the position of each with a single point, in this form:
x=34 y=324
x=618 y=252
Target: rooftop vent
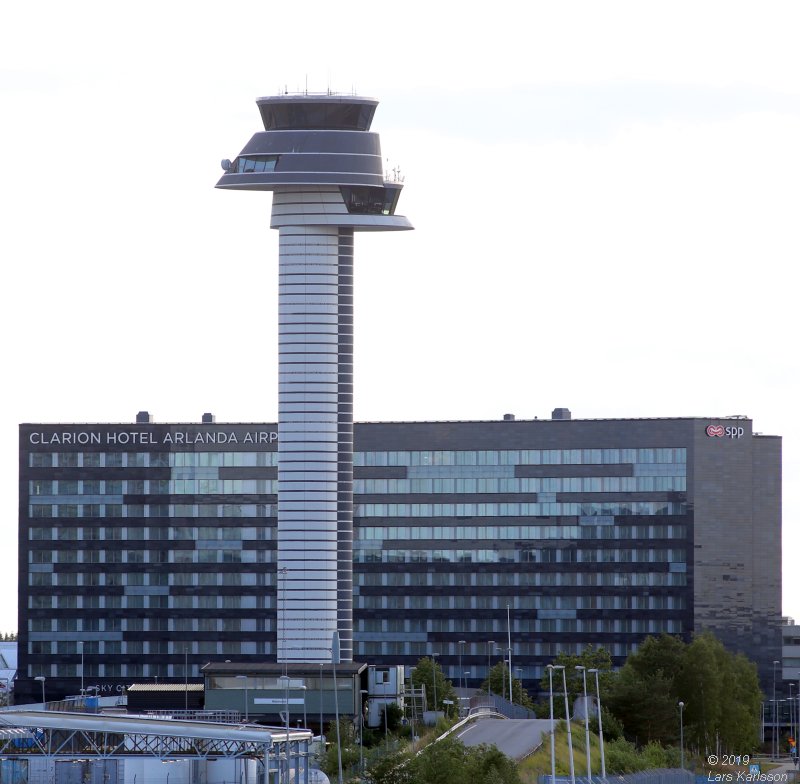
x=209 y=419
x=561 y=413
x=508 y=417
x=144 y=418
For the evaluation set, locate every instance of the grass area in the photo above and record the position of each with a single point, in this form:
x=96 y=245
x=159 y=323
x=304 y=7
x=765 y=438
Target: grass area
x=539 y=762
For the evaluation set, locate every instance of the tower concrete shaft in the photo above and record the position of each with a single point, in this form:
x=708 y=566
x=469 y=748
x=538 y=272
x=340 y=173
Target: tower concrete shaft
x=325 y=168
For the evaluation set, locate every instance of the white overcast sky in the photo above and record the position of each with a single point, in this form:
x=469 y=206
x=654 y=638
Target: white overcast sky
x=605 y=196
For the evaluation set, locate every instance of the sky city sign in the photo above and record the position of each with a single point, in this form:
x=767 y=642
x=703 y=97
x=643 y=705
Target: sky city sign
x=719 y=431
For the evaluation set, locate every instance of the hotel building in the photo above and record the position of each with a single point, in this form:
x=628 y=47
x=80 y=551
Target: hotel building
x=147 y=550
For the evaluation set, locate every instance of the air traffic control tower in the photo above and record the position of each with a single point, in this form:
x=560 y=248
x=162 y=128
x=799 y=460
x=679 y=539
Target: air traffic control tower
x=325 y=168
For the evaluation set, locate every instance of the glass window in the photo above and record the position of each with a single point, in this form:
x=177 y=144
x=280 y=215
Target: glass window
x=41 y=487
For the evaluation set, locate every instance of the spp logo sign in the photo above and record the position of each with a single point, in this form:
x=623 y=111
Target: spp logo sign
x=719 y=431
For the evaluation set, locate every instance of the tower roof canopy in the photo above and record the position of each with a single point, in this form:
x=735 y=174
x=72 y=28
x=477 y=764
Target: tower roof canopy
x=309 y=112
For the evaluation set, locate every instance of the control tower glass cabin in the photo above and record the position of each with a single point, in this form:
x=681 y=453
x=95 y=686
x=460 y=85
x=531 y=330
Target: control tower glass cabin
x=325 y=169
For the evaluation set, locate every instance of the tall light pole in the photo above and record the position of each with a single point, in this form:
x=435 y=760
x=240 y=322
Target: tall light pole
x=569 y=724
x=185 y=678
x=42 y=679
x=80 y=642
x=680 y=708
x=582 y=670
x=362 y=692
x=510 y=681
x=413 y=706
x=246 y=700
x=791 y=712
x=489 y=645
x=502 y=652
x=386 y=724
x=336 y=659
x=321 y=728
x=285 y=680
x=600 y=723
x=775 y=710
x=435 y=699
x=797 y=717
x=461 y=644
x=550 y=669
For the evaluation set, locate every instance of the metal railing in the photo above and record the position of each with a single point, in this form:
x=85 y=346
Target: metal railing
x=655 y=776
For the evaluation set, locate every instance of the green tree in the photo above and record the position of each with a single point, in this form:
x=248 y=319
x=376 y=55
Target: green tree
x=390 y=768
x=719 y=690
x=391 y=716
x=721 y=696
x=643 y=695
x=426 y=673
x=448 y=761
x=488 y=765
x=498 y=678
x=590 y=658
x=351 y=751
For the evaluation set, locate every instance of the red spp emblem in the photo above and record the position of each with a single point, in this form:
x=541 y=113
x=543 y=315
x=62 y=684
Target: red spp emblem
x=715 y=430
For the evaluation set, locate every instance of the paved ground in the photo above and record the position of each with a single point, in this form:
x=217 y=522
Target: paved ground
x=516 y=738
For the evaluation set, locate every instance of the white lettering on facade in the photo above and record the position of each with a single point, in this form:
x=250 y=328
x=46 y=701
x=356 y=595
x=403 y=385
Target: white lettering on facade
x=80 y=437
x=149 y=438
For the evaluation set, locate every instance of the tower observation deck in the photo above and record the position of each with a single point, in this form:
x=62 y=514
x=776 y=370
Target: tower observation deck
x=324 y=166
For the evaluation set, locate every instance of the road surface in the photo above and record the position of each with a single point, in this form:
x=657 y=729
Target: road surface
x=516 y=738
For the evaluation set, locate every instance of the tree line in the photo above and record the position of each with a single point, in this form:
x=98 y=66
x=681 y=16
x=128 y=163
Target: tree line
x=641 y=714
x=715 y=694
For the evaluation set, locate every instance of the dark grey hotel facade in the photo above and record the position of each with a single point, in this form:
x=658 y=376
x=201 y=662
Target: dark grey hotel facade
x=147 y=550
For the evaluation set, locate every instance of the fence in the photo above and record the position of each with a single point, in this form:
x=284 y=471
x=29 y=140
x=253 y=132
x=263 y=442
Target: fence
x=657 y=776
x=500 y=705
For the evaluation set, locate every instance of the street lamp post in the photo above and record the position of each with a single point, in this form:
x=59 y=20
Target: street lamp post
x=600 y=724
x=80 y=642
x=185 y=678
x=285 y=680
x=246 y=700
x=461 y=644
x=489 y=645
x=362 y=692
x=550 y=669
x=680 y=708
x=41 y=679
x=775 y=710
x=569 y=724
x=582 y=670
x=321 y=728
x=508 y=627
x=413 y=706
x=435 y=699
x=797 y=719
